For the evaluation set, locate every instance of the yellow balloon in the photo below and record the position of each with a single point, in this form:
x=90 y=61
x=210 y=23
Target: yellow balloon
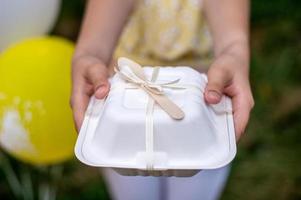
x=35 y=118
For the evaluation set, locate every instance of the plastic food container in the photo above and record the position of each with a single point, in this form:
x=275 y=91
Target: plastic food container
x=121 y=133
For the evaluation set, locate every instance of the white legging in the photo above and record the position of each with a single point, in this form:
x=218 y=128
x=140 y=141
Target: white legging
x=206 y=185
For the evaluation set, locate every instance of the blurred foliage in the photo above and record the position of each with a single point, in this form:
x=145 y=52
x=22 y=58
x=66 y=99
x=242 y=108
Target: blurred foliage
x=268 y=162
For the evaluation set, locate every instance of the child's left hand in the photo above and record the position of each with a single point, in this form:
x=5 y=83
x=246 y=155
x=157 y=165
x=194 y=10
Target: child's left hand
x=227 y=76
x=229 y=73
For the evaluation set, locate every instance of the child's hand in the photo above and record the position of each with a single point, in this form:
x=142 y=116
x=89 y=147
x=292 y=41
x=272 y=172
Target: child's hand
x=227 y=75
x=89 y=76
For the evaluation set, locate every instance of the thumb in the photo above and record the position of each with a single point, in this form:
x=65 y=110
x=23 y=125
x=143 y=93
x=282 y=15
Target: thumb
x=218 y=79
x=98 y=76
x=102 y=90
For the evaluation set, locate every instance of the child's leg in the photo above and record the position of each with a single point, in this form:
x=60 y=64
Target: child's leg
x=206 y=185
x=132 y=187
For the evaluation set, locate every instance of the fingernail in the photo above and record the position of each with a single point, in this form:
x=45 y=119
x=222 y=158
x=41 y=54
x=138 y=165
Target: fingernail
x=214 y=95
x=99 y=94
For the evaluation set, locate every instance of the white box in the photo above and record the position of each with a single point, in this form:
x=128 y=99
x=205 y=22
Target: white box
x=114 y=130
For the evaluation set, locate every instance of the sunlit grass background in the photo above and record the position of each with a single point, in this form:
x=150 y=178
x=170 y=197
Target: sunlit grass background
x=269 y=156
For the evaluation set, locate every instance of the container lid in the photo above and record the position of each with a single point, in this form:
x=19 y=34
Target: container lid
x=116 y=132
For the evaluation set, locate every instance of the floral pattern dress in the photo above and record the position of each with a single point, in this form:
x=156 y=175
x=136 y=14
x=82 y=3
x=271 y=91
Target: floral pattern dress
x=166 y=32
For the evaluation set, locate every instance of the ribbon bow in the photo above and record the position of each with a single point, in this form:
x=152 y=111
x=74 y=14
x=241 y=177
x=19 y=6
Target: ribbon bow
x=133 y=73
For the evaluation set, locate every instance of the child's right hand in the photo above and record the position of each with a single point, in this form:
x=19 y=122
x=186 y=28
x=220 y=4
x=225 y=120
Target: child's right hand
x=101 y=28
x=89 y=76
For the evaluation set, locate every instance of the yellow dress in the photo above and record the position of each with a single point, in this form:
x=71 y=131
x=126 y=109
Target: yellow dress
x=166 y=32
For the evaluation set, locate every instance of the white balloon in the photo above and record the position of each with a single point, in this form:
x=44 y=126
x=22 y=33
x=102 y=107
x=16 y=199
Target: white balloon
x=20 y=19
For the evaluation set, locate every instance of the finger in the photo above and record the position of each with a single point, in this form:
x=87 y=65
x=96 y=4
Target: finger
x=98 y=76
x=218 y=79
x=79 y=103
x=102 y=91
x=241 y=110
